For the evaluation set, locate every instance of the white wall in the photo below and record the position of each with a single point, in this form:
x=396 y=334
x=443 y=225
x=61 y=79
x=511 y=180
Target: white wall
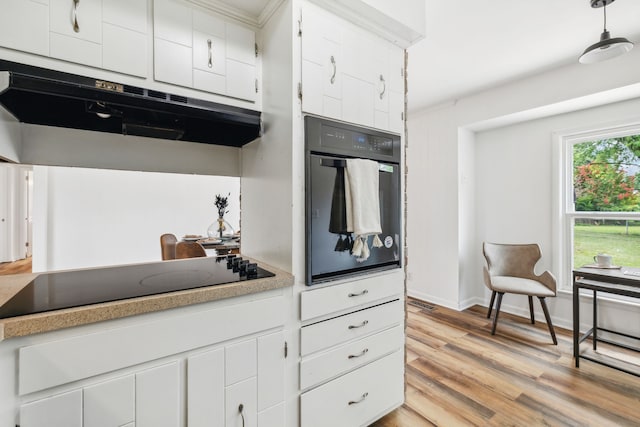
x=10 y=137
x=93 y=217
x=266 y=163
x=448 y=270
x=515 y=182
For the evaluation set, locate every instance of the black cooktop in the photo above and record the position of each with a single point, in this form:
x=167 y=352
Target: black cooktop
x=57 y=290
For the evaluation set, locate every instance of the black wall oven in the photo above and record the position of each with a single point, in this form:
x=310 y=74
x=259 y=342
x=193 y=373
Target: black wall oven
x=328 y=145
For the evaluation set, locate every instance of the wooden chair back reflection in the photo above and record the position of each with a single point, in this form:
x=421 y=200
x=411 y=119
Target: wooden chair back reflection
x=189 y=250
x=168 y=246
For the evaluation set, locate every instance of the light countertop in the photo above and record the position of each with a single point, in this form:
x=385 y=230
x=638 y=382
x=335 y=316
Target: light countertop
x=76 y=316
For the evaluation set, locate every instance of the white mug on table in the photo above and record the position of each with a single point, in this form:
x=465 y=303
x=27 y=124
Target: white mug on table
x=603 y=260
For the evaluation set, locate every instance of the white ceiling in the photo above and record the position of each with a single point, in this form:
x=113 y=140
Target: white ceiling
x=473 y=45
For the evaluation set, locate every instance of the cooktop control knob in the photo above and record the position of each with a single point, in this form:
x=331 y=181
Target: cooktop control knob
x=242 y=266
x=252 y=270
x=230 y=259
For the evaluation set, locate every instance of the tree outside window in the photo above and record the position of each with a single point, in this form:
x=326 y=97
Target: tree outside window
x=606 y=178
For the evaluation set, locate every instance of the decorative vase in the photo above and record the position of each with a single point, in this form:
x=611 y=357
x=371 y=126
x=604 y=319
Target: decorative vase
x=220 y=229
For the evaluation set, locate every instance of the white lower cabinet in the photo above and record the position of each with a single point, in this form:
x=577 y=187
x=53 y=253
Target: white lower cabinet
x=205 y=389
x=195 y=376
x=352 y=362
x=272 y=417
x=158 y=396
x=241 y=404
x=110 y=403
x=62 y=410
x=358 y=397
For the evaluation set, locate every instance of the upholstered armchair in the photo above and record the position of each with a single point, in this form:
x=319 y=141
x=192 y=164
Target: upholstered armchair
x=510 y=269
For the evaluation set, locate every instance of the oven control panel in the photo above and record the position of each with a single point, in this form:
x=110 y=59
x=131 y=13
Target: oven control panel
x=357 y=142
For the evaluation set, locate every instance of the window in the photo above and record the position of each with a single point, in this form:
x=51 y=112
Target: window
x=601 y=197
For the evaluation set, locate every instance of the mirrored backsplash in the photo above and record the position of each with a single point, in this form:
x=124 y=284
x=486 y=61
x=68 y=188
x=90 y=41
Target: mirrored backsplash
x=61 y=218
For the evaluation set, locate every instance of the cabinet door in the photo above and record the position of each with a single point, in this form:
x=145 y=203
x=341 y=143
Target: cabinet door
x=357 y=101
x=124 y=50
x=240 y=404
x=172 y=63
x=77 y=19
x=172 y=21
x=272 y=417
x=111 y=403
x=158 y=396
x=129 y=14
x=205 y=389
x=172 y=42
x=24 y=25
x=209 y=45
x=241 y=59
x=322 y=64
x=270 y=370
x=62 y=410
x=240 y=361
x=124 y=31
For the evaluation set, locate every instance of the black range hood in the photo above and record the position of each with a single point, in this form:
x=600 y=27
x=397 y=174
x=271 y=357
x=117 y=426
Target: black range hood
x=46 y=97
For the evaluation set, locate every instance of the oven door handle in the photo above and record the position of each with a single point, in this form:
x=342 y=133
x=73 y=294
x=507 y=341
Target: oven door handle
x=341 y=163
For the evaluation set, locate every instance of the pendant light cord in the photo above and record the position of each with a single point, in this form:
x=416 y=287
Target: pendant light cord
x=605 y=15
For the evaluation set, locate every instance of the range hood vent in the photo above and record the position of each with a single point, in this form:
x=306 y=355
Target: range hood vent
x=45 y=97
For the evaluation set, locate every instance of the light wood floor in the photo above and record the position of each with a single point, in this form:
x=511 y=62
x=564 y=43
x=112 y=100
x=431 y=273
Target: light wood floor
x=460 y=375
x=17 y=267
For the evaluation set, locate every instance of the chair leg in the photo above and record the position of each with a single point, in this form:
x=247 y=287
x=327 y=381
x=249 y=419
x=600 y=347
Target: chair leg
x=549 y=324
x=495 y=319
x=493 y=297
x=533 y=319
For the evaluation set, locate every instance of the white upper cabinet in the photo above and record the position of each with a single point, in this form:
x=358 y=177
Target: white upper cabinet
x=26 y=27
x=109 y=34
x=350 y=74
x=198 y=49
x=79 y=19
x=124 y=36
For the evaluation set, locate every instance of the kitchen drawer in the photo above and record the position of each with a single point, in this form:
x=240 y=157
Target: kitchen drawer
x=322 y=335
x=357 y=398
x=323 y=301
x=324 y=366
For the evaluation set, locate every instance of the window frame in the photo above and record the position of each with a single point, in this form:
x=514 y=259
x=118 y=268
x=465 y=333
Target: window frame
x=565 y=206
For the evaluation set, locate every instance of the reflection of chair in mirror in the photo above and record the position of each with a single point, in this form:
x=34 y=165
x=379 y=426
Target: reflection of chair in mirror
x=168 y=246
x=189 y=250
x=511 y=270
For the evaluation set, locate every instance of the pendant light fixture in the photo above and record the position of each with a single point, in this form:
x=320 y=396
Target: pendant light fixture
x=607 y=47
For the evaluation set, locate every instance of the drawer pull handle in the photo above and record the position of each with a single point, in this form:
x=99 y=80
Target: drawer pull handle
x=335 y=68
x=240 y=409
x=364 y=292
x=362 y=353
x=353 y=402
x=210 y=62
x=76 y=26
x=364 y=323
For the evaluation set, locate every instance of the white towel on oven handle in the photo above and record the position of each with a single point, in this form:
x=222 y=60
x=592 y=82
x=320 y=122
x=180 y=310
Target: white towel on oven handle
x=362 y=201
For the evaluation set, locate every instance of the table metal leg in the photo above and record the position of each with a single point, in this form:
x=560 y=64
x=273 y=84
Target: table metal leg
x=595 y=319
x=576 y=322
